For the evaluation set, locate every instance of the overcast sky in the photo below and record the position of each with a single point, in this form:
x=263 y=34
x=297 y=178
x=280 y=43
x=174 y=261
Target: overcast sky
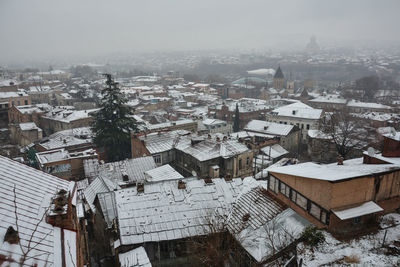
x=53 y=28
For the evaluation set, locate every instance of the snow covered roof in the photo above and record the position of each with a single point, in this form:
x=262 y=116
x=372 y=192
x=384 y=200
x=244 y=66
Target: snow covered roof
x=69 y=115
x=168 y=124
x=134 y=168
x=28 y=126
x=210 y=122
x=99 y=185
x=355 y=103
x=108 y=206
x=52 y=156
x=29 y=109
x=134 y=258
x=318 y=134
x=333 y=99
x=60 y=140
x=32 y=197
x=210 y=149
x=256 y=217
x=267 y=127
x=352 y=168
x=393 y=135
x=274 y=151
x=161 y=142
x=298 y=110
x=244 y=134
x=164 y=212
x=162 y=173
x=12 y=94
x=356 y=211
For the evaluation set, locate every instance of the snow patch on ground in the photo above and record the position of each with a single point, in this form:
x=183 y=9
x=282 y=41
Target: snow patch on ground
x=368 y=249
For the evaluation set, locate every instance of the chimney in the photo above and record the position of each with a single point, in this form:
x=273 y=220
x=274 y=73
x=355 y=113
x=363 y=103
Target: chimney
x=218 y=140
x=208 y=180
x=340 y=160
x=228 y=177
x=265 y=128
x=140 y=187
x=246 y=217
x=209 y=136
x=225 y=138
x=59 y=213
x=125 y=177
x=293 y=112
x=181 y=184
x=11 y=236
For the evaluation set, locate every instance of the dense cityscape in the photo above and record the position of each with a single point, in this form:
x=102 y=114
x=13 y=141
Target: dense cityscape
x=277 y=155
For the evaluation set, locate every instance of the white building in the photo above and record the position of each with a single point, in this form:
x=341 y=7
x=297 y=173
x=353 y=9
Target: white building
x=299 y=114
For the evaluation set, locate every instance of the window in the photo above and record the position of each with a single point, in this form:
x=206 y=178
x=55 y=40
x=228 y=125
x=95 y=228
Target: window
x=308 y=126
x=12 y=103
x=248 y=161
x=26 y=102
x=19 y=103
x=357 y=220
x=302 y=126
x=240 y=164
x=157 y=159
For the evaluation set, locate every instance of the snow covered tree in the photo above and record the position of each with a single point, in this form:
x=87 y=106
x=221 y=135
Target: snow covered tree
x=236 y=122
x=113 y=123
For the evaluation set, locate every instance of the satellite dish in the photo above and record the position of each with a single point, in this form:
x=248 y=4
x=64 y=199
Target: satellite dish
x=371 y=151
x=194 y=173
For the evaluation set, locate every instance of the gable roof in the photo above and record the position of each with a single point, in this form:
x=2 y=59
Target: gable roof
x=164 y=212
x=267 y=127
x=33 y=192
x=298 y=110
x=134 y=168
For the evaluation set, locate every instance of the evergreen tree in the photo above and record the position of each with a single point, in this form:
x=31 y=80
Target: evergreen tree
x=113 y=123
x=236 y=122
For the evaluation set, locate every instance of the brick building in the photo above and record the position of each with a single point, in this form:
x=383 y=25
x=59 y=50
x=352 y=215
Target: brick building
x=344 y=197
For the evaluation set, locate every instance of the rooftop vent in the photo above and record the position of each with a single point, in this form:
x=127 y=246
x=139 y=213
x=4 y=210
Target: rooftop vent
x=208 y=180
x=181 y=184
x=246 y=217
x=340 y=160
x=140 y=187
x=11 y=236
x=265 y=128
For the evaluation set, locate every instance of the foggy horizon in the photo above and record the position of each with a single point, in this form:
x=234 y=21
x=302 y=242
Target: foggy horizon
x=35 y=30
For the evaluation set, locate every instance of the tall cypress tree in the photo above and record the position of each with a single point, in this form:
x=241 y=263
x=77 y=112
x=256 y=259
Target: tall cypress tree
x=113 y=123
x=236 y=122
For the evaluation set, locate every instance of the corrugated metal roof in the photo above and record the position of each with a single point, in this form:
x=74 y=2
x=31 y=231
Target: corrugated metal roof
x=34 y=190
x=134 y=168
x=267 y=127
x=161 y=142
x=164 y=212
x=99 y=185
x=134 y=258
x=162 y=173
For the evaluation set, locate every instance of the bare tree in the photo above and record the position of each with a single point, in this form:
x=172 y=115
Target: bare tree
x=344 y=130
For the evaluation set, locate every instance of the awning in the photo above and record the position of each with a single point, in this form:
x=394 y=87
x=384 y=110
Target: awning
x=359 y=210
